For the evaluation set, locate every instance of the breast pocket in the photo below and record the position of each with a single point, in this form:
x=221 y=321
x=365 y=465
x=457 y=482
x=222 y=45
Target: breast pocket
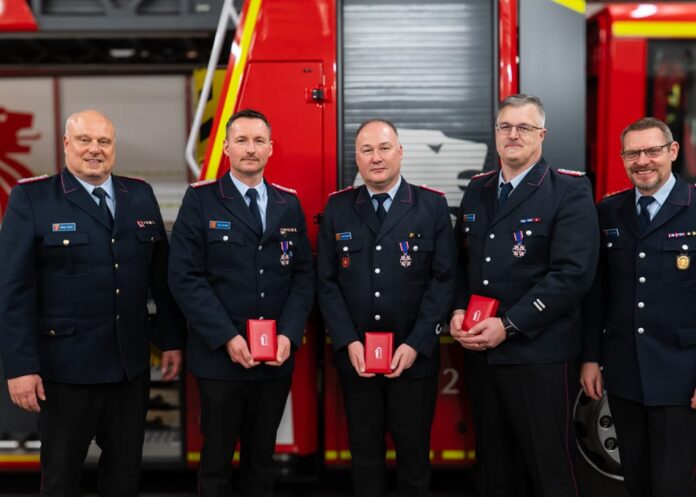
x=533 y=247
x=350 y=259
x=68 y=254
x=224 y=248
x=678 y=260
x=416 y=263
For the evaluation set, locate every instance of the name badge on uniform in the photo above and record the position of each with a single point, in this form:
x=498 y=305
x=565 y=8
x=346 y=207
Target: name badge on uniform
x=612 y=232
x=518 y=250
x=469 y=218
x=346 y=235
x=405 y=259
x=58 y=227
x=219 y=225
x=285 y=256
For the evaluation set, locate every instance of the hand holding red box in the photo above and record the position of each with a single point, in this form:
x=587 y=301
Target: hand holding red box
x=378 y=351
x=479 y=308
x=261 y=335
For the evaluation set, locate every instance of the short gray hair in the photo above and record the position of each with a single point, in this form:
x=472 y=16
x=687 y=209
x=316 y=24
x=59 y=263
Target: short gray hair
x=520 y=100
x=648 y=123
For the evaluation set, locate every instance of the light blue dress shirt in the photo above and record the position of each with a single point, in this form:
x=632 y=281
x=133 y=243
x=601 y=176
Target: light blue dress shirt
x=108 y=187
x=261 y=199
x=391 y=193
x=660 y=196
x=514 y=181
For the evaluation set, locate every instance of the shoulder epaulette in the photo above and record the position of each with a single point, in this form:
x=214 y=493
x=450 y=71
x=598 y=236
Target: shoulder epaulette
x=347 y=189
x=285 y=189
x=204 y=182
x=434 y=190
x=484 y=173
x=33 y=179
x=611 y=194
x=570 y=172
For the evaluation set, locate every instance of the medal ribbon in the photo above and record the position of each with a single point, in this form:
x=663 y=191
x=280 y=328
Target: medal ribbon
x=404 y=247
x=518 y=236
x=284 y=246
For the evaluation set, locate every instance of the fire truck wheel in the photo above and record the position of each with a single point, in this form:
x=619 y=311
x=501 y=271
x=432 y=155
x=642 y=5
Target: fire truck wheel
x=596 y=436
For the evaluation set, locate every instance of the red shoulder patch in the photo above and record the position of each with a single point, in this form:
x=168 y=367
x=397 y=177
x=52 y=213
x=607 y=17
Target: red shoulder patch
x=204 y=182
x=570 y=172
x=33 y=179
x=434 y=190
x=285 y=189
x=484 y=173
x=347 y=189
x=611 y=194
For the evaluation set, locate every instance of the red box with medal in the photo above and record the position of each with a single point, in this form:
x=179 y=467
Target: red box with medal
x=479 y=308
x=378 y=351
x=261 y=336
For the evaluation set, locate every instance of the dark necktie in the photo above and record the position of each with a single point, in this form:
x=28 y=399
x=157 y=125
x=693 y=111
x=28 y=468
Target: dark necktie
x=644 y=216
x=381 y=211
x=505 y=190
x=106 y=213
x=253 y=194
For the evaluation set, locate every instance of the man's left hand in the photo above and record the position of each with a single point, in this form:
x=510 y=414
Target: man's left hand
x=487 y=334
x=284 y=348
x=171 y=364
x=404 y=357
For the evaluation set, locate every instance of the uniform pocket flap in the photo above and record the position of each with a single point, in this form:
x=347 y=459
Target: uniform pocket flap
x=56 y=327
x=221 y=236
x=65 y=239
x=530 y=230
x=679 y=245
x=148 y=236
x=687 y=336
x=422 y=245
x=347 y=246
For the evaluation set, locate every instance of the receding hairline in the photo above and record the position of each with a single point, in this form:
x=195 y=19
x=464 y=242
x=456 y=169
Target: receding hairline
x=75 y=116
x=385 y=122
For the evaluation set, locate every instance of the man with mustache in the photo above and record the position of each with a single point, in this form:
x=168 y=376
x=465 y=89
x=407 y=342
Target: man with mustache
x=80 y=251
x=528 y=238
x=640 y=340
x=240 y=251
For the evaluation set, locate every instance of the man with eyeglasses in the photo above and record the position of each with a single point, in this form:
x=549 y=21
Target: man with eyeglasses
x=640 y=340
x=527 y=236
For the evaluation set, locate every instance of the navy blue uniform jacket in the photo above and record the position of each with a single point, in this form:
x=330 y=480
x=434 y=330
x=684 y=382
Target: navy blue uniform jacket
x=73 y=295
x=362 y=284
x=223 y=274
x=541 y=291
x=641 y=313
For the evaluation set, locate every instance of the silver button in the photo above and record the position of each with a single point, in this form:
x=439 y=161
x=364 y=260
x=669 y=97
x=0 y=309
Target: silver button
x=528 y=232
x=260 y=271
x=641 y=255
x=260 y=317
x=225 y=238
x=51 y=332
x=491 y=236
x=610 y=245
x=345 y=249
x=466 y=230
x=66 y=242
x=118 y=290
x=485 y=282
x=116 y=266
x=262 y=294
x=685 y=247
x=378 y=247
x=642 y=279
x=260 y=247
x=640 y=331
x=377 y=270
x=118 y=316
x=113 y=240
x=377 y=317
x=488 y=259
x=415 y=249
x=641 y=305
x=377 y=294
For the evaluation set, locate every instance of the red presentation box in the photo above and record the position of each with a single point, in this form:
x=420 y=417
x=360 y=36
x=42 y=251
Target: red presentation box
x=378 y=351
x=261 y=335
x=479 y=308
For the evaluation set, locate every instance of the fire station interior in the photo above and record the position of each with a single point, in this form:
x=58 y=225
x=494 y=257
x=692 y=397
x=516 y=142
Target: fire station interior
x=434 y=68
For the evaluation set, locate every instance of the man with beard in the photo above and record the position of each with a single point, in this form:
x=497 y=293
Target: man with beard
x=240 y=251
x=640 y=341
x=528 y=238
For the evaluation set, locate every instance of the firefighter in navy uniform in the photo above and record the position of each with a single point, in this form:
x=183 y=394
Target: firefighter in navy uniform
x=386 y=261
x=79 y=252
x=240 y=251
x=641 y=317
x=527 y=237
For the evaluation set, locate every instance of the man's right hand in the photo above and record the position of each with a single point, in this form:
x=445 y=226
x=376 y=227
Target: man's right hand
x=26 y=391
x=455 y=327
x=591 y=380
x=356 y=353
x=238 y=350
